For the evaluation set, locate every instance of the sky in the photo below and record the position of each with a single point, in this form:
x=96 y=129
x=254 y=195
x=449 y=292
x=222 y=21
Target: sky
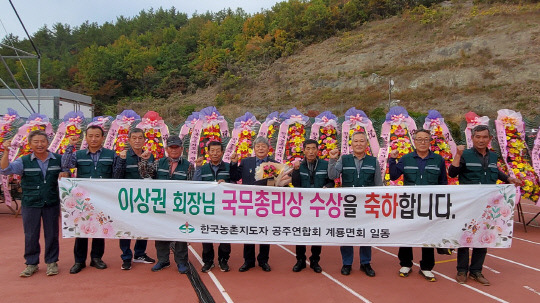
x=36 y=13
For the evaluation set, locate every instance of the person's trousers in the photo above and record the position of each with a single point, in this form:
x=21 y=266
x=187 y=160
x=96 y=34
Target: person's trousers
x=224 y=252
x=405 y=256
x=163 y=250
x=347 y=254
x=262 y=257
x=127 y=254
x=477 y=259
x=315 y=253
x=32 y=217
x=81 y=249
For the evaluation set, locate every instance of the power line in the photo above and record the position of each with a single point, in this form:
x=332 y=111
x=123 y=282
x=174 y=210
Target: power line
x=24 y=27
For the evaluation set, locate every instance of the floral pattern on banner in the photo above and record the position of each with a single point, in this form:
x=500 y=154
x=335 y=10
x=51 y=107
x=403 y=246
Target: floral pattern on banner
x=82 y=218
x=293 y=132
x=324 y=130
x=6 y=125
x=495 y=225
x=398 y=129
x=72 y=126
x=121 y=127
x=442 y=142
x=156 y=133
x=510 y=131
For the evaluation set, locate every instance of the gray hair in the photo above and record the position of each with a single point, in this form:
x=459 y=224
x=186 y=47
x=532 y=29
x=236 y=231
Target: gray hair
x=480 y=128
x=37 y=133
x=359 y=133
x=261 y=140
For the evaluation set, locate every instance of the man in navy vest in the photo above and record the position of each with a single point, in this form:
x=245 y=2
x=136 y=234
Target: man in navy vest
x=357 y=170
x=93 y=162
x=39 y=173
x=246 y=172
x=129 y=169
x=214 y=170
x=421 y=167
x=477 y=165
x=312 y=172
x=173 y=167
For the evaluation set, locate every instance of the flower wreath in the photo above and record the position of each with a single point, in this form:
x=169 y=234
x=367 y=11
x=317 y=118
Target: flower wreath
x=7 y=126
x=118 y=134
x=442 y=142
x=291 y=137
x=210 y=127
x=242 y=137
x=268 y=130
x=156 y=133
x=511 y=136
x=536 y=153
x=357 y=121
x=324 y=131
x=101 y=121
x=71 y=126
x=187 y=128
x=396 y=132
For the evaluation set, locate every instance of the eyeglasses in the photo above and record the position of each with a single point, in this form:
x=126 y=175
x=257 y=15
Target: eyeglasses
x=422 y=140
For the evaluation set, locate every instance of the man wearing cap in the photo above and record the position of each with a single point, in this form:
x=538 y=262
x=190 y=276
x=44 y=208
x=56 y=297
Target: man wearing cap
x=129 y=169
x=477 y=165
x=93 y=162
x=214 y=170
x=173 y=167
x=39 y=173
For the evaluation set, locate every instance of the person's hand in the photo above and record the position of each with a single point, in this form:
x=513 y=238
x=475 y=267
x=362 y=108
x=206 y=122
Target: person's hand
x=146 y=154
x=220 y=181
x=123 y=154
x=63 y=174
x=296 y=164
x=73 y=140
x=7 y=144
x=234 y=158
x=286 y=179
x=460 y=149
x=334 y=154
x=394 y=154
x=199 y=162
x=515 y=181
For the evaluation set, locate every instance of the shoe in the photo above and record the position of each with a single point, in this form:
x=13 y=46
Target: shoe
x=316 y=267
x=428 y=275
x=207 y=267
x=346 y=270
x=300 y=264
x=223 y=265
x=52 y=269
x=404 y=271
x=76 y=268
x=29 y=271
x=160 y=265
x=126 y=265
x=265 y=267
x=461 y=277
x=144 y=259
x=98 y=263
x=478 y=277
x=183 y=268
x=245 y=267
x=367 y=269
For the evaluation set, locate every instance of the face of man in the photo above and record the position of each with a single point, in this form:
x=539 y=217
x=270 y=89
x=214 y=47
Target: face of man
x=481 y=139
x=174 y=151
x=359 y=144
x=310 y=152
x=94 y=138
x=422 y=142
x=39 y=145
x=136 y=141
x=261 y=150
x=215 y=154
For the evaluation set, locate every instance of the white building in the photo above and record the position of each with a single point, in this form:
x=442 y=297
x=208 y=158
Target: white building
x=54 y=103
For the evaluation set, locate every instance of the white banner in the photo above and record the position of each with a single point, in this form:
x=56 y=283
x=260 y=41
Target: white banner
x=438 y=216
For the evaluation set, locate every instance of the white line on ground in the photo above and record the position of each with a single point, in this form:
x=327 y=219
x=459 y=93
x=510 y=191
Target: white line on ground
x=514 y=262
x=213 y=277
x=525 y=240
x=354 y=293
x=491 y=269
x=531 y=289
x=451 y=279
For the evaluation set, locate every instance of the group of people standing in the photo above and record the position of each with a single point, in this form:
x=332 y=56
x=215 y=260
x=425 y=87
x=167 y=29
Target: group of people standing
x=41 y=170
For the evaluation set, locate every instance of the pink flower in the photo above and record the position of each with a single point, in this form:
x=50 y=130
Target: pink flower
x=506 y=212
x=88 y=228
x=487 y=237
x=466 y=239
x=107 y=230
x=79 y=193
x=496 y=201
x=70 y=202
